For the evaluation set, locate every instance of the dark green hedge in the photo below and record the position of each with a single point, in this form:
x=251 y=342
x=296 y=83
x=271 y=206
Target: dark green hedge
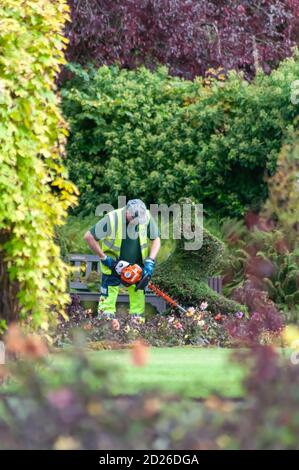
x=184 y=275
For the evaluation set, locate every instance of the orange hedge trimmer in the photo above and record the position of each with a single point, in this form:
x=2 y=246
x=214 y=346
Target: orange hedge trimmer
x=131 y=274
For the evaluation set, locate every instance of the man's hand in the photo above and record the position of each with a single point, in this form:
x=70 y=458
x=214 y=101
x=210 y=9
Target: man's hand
x=109 y=262
x=149 y=266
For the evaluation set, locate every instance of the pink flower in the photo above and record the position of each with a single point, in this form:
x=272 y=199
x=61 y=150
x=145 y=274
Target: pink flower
x=115 y=324
x=178 y=326
x=190 y=312
x=203 y=305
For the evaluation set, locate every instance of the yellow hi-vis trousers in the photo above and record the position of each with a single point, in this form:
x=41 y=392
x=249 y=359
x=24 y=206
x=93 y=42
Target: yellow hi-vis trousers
x=107 y=304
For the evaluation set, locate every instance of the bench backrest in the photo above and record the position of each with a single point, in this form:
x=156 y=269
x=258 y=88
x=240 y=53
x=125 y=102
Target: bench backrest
x=92 y=263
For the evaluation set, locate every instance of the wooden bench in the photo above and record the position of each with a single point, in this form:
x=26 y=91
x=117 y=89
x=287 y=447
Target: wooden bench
x=91 y=263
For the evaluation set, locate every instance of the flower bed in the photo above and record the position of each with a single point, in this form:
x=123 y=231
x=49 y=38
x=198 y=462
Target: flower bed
x=197 y=327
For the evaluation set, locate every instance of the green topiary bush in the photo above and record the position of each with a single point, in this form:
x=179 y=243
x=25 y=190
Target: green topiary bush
x=145 y=134
x=34 y=190
x=184 y=274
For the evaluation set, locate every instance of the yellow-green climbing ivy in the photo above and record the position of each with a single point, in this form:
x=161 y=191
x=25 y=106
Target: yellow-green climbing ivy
x=34 y=189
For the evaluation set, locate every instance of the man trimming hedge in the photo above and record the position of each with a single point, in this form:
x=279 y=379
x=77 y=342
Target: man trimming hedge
x=129 y=234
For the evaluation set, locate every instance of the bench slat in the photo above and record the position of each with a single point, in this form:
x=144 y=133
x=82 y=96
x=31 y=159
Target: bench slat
x=214 y=282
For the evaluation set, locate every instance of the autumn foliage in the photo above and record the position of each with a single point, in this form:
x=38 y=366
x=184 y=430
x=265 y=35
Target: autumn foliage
x=34 y=190
x=188 y=36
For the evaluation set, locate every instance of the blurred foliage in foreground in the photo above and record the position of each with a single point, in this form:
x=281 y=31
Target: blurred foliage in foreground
x=77 y=410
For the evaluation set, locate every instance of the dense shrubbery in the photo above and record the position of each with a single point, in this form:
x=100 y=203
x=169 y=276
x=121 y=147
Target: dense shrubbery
x=213 y=140
x=34 y=191
x=264 y=249
x=266 y=259
x=282 y=205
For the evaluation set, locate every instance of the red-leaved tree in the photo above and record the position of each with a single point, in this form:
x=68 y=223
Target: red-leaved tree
x=189 y=36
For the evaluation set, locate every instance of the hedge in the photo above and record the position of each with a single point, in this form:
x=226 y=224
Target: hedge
x=149 y=135
x=184 y=275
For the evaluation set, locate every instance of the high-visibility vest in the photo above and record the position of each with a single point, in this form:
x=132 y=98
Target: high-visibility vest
x=111 y=244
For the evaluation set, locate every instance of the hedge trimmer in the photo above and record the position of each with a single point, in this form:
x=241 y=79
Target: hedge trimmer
x=131 y=274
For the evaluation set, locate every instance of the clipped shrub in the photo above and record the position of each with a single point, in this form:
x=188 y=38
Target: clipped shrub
x=70 y=235
x=145 y=134
x=184 y=275
x=34 y=190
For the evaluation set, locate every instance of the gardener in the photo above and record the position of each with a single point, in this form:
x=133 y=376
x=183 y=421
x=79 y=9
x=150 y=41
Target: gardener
x=123 y=234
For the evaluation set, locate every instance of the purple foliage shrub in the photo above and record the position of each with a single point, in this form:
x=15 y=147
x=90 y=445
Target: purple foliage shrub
x=186 y=35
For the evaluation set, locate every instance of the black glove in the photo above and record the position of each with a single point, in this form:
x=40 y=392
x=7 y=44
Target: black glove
x=141 y=285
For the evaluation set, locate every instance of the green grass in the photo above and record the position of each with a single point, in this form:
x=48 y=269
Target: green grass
x=190 y=371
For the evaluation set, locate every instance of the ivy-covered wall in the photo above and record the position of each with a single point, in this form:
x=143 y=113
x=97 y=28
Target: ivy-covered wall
x=34 y=189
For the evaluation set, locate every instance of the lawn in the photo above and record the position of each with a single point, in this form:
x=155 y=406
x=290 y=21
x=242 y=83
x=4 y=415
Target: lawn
x=188 y=371
x=191 y=371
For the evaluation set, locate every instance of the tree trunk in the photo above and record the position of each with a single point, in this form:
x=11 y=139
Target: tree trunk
x=9 y=304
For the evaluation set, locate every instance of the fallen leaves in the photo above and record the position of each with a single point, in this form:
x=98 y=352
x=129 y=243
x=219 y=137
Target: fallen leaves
x=215 y=403
x=152 y=407
x=67 y=443
x=30 y=347
x=140 y=354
